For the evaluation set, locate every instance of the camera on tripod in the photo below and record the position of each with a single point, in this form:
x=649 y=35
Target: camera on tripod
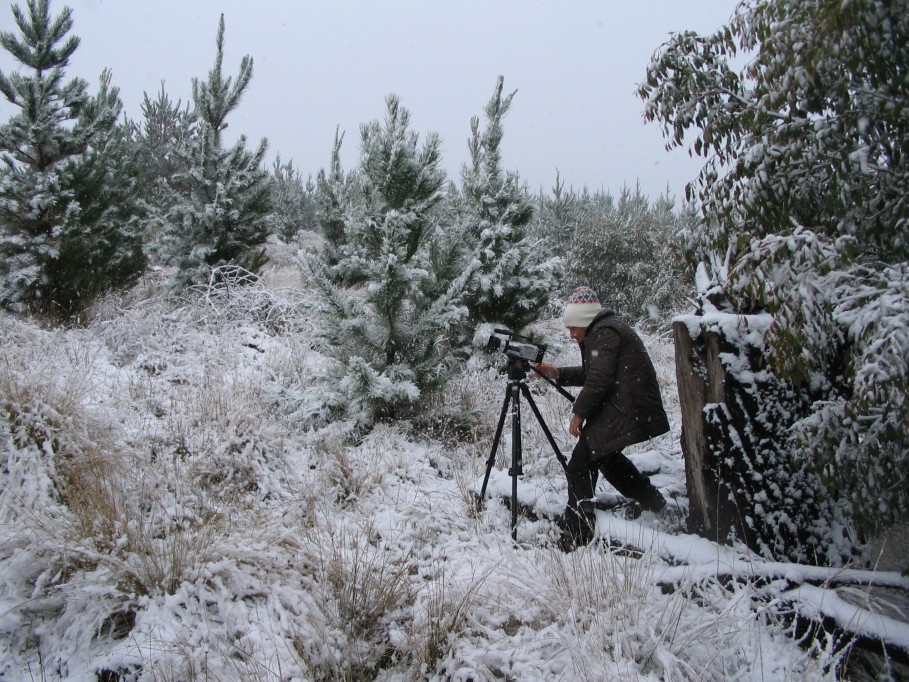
x=515 y=346
x=521 y=353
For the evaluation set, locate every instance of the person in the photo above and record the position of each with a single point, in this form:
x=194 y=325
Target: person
x=619 y=404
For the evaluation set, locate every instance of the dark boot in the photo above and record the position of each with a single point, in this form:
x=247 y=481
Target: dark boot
x=577 y=529
x=653 y=500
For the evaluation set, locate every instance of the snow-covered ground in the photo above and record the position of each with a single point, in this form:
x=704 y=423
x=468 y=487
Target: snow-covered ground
x=166 y=517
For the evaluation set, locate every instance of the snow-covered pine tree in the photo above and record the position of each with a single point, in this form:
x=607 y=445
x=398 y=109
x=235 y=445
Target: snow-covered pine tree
x=293 y=206
x=387 y=334
x=68 y=224
x=160 y=143
x=221 y=213
x=513 y=274
x=334 y=198
x=804 y=191
x=557 y=218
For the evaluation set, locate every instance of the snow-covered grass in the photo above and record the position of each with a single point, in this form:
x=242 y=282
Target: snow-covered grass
x=166 y=517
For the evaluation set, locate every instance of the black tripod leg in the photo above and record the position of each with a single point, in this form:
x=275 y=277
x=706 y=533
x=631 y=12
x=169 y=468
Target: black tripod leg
x=517 y=464
x=490 y=463
x=536 y=411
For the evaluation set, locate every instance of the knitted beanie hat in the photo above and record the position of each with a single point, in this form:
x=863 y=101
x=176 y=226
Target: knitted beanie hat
x=582 y=306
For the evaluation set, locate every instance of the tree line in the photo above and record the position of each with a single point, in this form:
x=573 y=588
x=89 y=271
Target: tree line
x=91 y=198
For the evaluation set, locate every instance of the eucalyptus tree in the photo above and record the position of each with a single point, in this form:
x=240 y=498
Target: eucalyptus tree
x=801 y=112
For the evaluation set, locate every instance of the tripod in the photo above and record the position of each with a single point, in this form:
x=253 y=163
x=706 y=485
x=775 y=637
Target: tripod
x=517 y=386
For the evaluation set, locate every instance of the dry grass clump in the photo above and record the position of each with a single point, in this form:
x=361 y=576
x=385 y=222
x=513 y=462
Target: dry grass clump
x=441 y=615
x=363 y=589
x=382 y=608
x=72 y=482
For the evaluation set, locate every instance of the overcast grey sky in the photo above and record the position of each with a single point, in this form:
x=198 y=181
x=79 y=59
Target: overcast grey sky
x=327 y=64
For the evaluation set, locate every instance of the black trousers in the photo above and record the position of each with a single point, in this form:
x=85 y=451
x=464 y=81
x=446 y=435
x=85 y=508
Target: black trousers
x=583 y=471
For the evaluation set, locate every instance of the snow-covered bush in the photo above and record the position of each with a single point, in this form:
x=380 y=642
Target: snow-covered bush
x=756 y=492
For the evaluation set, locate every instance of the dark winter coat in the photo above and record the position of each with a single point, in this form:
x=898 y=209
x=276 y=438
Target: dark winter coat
x=620 y=400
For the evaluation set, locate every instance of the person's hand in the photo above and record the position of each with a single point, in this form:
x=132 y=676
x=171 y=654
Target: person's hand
x=574 y=426
x=551 y=372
